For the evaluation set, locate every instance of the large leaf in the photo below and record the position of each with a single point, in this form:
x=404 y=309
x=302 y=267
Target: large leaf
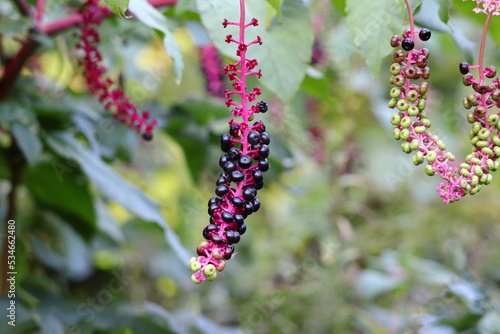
x=28 y=141
x=61 y=186
x=151 y=17
x=115 y=188
x=444 y=10
x=287 y=45
x=119 y=7
x=371 y=25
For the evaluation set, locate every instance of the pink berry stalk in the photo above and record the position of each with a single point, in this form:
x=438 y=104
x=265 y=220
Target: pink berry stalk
x=114 y=100
x=243 y=164
x=411 y=123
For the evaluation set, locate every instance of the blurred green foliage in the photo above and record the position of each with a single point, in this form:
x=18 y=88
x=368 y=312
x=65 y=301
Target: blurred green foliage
x=351 y=237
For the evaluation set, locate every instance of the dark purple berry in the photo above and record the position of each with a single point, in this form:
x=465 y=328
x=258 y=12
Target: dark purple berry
x=233 y=237
x=227 y=217
x=147 y=136
x=212 y=208
x=256 y=204
x=424 y=34
x=208 y=229
x=263 y=165
x=259 y=126
x=408 y=44
x=222 y=180
x=234 y=129
x=239 y=219
x=248 y=208
x=237 y=176
x=237 y=202
x=264 y=151
x=249 y=193
x=221 y=190
x=233 y=154
x=216 y=239
x=242 y=229
x=225 y=142
x=229 y=167
x=257 y=174
x=245 y=161
x=264 y=138
x=228 y=252
x=222 y=160
x=263 y=106
x=254 y=137
x=213 y=200
x=259 y=185
x=464 y=67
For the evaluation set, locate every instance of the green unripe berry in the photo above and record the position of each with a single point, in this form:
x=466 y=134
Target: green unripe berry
x=475 y=161
x=482 y=179
x=399 y=80
x=405 y=122
x=483 y=134
x=424 y=86
x=421 y=104
x=392 y=103
x=474 y=191
x=487 y=150
x=413 y=111
x=412 y=95
x=212 y=277
x=495 y=95
x=414 y=144
x=474 y=140
x=429 y=170
x=426 y=122
x=496 y=150
x=405 y=134
x=395 y=69
x=417 y=158
x=493 y=119
x=431 y=156
x=466 y=103
x=209 y=270
x=464 y=165
x=395 y=92
x=195 y=265
x=426 y=73
x=478 y=170
x=420 y=129
x=472 y=99
x=450 y=156
x=402 y=105
x=496 y=140
x=464 y=172
x=491 y=164
x=397 y=133
x=497 y=165
x=470 y=117
x=474 y=180
x=395 y=119
x=195 y=280
x=405 y=147
x=441 y=145
x=471 y=134
x=488 y=179
x=482 y=143
x=463 y=184
x=476 y=126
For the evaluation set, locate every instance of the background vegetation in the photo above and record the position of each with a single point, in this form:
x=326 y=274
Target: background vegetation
x=351 y=237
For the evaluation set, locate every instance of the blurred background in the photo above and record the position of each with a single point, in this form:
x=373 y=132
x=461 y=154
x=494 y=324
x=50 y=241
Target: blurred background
x=350 y=237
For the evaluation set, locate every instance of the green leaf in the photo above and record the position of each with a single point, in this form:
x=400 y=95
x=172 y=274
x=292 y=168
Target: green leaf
x=28 y=141
x=61 y=186
x=151 y=17
x=444 y=10
x=371 y=25
x=284 y=59
x=115 y=188
x=119 y=7
x=340 y=5
x=276 y=4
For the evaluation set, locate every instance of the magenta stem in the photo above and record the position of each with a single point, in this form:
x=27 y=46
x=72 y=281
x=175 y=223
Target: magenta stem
x=483 y=45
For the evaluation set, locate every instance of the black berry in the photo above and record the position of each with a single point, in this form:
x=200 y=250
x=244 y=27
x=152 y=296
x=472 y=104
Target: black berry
x=249 y=193
x=424 y=34
x=464 y=67
x=264 y=138
x=208 y=229
x=256 y=204
x=242 y=229
x=263 y=106
x=222 y=160
x=227 y=217
x=408 y=44
x=212 y=208
x=233 y=237
x=263 y=165
x=222 y=180
x=237 y=202
x=237 y=176
x=228 y=252
x=234 y=129
x=233 y=154
x=221 y=190
x=213 y=200
x=264 y=151
x=229 y=167
x=257 y=175
x=254 y=137
x=225 y=142
x=239 y=219
x=217 y=239
x=245 y=161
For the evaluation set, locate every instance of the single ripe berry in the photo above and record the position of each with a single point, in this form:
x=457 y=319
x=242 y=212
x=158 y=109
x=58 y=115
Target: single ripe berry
x=225 y=142
x=254 y=137
x=229 y=167
x=263 y=165
x=222 y=160
x=237 y=176
x=228 y=252
x=221 y=190
x=208 y=229
x=256 y=204
x=249 y=193
x=464 y=67
x=233 y=237
x=408 y=44
x=257 y=175
x=237 y=202
x=147 y=136
x=264 y=138
x=263 y=106
x=222 y=180
x=264 y=151
x=234 y=129
x=239 y=219
x=233 y=154
x=227 y=217
x=213 y=200
x=424 y=34
x=245 y=161
x=242 y=229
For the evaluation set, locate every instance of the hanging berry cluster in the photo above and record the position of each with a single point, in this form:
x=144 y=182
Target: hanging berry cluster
x=113 y=100
x=411 y=124
x=246 y=148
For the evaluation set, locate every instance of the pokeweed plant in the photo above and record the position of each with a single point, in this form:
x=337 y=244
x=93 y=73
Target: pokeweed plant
x=246 y=148
x=114 y=100
x=408 y=96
